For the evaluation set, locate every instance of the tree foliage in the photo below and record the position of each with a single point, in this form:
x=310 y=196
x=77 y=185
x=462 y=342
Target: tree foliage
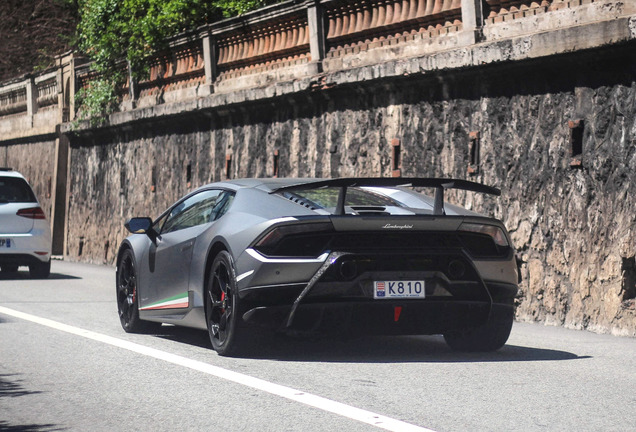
x=231 y=8
x=111 y=31
x=32 y=33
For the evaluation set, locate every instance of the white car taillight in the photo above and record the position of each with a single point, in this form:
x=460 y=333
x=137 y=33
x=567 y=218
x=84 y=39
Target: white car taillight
x=32 y=213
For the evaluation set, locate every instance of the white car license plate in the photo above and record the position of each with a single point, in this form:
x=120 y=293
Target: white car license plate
x=399 y=289
x=5 y=242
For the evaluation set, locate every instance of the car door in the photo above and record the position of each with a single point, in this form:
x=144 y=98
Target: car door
x=170 y=256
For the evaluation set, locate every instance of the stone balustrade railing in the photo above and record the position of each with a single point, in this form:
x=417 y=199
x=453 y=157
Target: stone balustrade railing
x=13 y=99
x=180 y=67
x=264 y=45
x=506 y=10
x=358 y=22
x=29 y=95
x=241 y=52
x=84 y=75
x=46 y=90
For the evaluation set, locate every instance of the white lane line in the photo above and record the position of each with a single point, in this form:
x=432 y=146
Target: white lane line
x=309 y=399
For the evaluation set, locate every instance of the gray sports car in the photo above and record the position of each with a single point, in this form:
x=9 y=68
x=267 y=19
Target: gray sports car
x=340 y=256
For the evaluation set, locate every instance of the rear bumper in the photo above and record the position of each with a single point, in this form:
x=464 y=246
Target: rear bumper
x=25 y=249
x=22 y=259
x=340 y=296
x=412 y=317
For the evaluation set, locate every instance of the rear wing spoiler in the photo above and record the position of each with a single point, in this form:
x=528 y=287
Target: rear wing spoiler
x=440 y=184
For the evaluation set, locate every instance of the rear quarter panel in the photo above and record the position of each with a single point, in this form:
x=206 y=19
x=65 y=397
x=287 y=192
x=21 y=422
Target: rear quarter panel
x=252 y=212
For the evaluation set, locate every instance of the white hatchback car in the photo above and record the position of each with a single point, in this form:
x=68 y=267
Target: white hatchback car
x=25 y=234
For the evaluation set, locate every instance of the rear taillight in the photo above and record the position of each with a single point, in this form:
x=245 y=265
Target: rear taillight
x=299 y=240
x=492 y=231
x=483 y=240
x=32 y=213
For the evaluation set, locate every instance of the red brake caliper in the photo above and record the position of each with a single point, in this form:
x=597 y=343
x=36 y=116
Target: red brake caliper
x=222 y=300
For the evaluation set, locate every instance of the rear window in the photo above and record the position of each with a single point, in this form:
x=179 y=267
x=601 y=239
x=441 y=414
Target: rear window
x=328 y=197
x=15 y=190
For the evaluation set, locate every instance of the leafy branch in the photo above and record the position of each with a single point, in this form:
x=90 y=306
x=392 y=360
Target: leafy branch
x=110 y=31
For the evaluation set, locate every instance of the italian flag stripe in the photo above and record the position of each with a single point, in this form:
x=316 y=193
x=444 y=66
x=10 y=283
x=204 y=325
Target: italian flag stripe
x=174 y=302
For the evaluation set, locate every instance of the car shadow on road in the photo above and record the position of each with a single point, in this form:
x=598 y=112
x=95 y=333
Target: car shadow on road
x=402 y=349
x=371 y=349
x=24 y=275
x=185 y=335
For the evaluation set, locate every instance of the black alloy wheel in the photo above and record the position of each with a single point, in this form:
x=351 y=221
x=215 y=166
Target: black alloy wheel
x=127 y=301
x=222 y=308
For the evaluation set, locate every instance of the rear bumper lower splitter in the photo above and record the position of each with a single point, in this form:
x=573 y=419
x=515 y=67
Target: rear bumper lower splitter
x=381 y=317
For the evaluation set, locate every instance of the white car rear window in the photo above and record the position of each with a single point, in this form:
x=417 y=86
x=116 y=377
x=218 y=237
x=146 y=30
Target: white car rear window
x=15 y=190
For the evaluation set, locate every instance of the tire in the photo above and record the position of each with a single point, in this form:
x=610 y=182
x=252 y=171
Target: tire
x=127 y=299
x=489 y=337
x=9 y=268
x=222 y=309
x=40 y=270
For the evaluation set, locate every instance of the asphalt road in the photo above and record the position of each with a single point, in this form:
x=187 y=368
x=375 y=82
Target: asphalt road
x=66 y=364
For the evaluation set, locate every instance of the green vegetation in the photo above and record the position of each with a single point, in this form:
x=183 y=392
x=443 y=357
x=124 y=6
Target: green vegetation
x=112 y=31
x=231 y=8
x=100 y=98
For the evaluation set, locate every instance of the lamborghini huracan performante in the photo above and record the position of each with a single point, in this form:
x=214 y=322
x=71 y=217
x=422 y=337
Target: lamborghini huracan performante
x=339 y=256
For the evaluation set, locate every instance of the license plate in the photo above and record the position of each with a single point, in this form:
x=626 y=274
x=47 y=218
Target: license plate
x=399 y=289
x=5 y=243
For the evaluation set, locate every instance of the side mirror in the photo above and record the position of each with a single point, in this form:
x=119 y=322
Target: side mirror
x=139 y=225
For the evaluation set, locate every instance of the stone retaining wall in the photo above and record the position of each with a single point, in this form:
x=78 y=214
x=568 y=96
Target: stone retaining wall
x=558 y=137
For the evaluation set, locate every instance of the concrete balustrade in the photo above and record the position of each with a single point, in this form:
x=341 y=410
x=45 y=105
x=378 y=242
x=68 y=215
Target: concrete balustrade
x=174 y=75
x=263 y=46
x=278 y=43
x=13 y=98
x=354 y=23
x=46 y=90
x=29 y=106
x=506 y=10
